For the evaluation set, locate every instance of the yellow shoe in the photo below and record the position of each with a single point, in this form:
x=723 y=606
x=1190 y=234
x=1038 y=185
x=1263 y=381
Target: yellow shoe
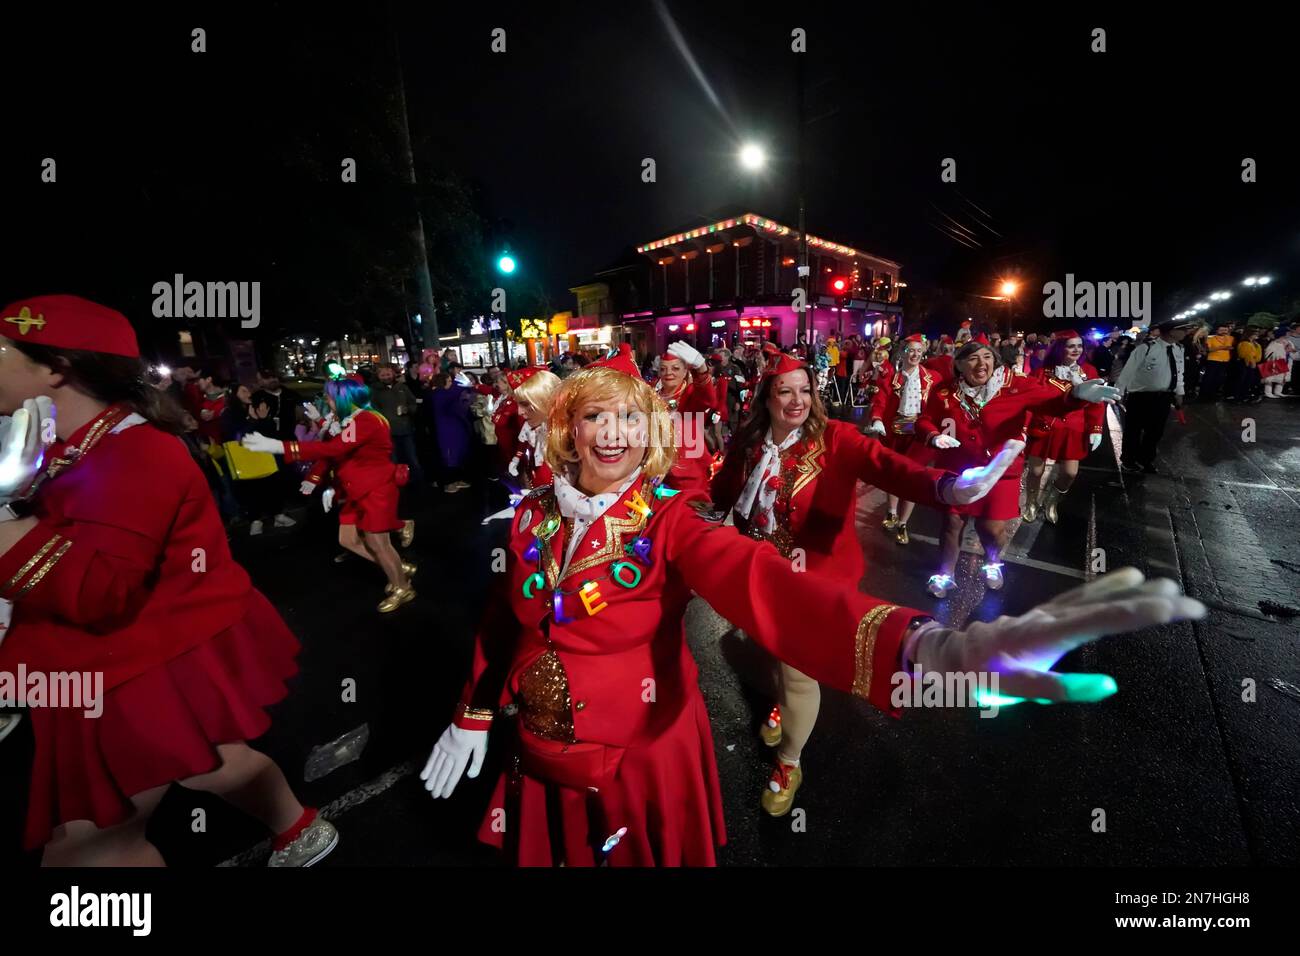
x=1051 y=497
x=409 y=569
x=1030 y=511
x=890 y=522
x=771 y=729
x=900 y=534
x=396 y=599
x=778 y=796
x=408 y=534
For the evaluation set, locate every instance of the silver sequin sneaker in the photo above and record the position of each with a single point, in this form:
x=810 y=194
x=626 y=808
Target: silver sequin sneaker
x=310 y=846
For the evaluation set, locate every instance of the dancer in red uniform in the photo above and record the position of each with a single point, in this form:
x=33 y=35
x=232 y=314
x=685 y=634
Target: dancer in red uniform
x=533 y=389
x=968 y=420
x=899 y=402
x=791 y=476
x=116 y=562
x=613 y=758
x=360 y=450
x=685 y=387
x=1066 y=439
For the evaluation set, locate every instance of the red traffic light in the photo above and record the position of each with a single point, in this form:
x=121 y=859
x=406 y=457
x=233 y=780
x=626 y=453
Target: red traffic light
x=840 y=284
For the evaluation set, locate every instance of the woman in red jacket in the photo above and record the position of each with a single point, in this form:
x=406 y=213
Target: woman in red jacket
x=791 y=478
x=532 y=388
x=613 y=760
x=687 y=389
x=116 y=562
x=1066 y=439
x=898 y=402
x=359 y=448
x=967 y=420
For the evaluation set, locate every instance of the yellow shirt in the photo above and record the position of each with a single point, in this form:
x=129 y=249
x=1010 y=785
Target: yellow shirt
x=833 y=354
x=1250 y=352
x=1220 y=347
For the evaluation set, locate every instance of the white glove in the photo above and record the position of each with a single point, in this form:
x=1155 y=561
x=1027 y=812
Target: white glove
x=1021 y=650
x=944 y=441
x=687 y=354
x=974 y=483
x=22 y=445
x=1096 y=390
x=257 y=442
x=744 y=394
x=514 y=467
x=307 y=487
x=327 y=499
x=738 y=379
x=877 y=428
x=311 y=411
x=454 y=749
x=1094 y=441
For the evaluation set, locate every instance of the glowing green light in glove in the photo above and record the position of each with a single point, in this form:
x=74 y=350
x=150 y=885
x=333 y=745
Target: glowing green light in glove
x=1079 y=689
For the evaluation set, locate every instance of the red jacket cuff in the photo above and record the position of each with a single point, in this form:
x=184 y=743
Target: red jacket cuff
x=877 y=653
x=472 y=718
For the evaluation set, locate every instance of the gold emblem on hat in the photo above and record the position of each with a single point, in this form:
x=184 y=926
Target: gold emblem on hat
x=26 y=321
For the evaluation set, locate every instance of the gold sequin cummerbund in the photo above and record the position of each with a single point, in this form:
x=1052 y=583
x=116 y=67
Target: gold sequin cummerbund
x=544 y=703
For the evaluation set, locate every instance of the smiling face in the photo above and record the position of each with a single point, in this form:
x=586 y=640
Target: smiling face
x=610 y=438
x=1073 y=350
x=789 y=401
x=977 y=367
x=913 y=352
x=672 y=372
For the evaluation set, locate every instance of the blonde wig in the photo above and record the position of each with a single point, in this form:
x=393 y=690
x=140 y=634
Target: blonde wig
x=605 y=385
x=538 y=390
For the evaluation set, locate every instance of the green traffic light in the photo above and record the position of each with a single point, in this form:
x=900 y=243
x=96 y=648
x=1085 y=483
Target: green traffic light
x=506 y=264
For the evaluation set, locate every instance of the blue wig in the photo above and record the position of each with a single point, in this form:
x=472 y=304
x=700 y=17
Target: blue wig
x=349 y=396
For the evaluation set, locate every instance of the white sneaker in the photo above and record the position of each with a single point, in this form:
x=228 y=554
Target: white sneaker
x=284 y=521
x=255 y=528
x=309 y=848
x=992 y=576
x=940 y=585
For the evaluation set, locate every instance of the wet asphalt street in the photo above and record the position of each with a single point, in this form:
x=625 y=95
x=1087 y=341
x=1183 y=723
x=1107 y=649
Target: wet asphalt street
x=1185 y=769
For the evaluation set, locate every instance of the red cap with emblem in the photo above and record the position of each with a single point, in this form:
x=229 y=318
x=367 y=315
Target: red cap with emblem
x=517 y=376
x=918 y=338
x=1067 y=334
x=779 y=363
x=622 y=362
x=69 y=322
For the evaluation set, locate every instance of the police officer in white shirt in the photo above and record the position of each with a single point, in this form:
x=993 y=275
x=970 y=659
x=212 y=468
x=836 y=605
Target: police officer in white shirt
x=1152 y=381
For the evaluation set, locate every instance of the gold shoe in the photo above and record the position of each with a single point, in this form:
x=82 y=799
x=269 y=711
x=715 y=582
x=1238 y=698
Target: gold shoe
x=1030 y=511
x=890 y=522
x=409 y=570
x=408 y=534
x=778 y=795
x=396 y=599
x=770 y=732
x=900 y=534
x=1051 y=496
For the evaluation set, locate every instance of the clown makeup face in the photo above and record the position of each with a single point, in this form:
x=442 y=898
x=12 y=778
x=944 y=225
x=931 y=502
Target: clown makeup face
x=610 y=438
x=672 y=372
x=1073 y=350
x=977 y=367
x=788 y=403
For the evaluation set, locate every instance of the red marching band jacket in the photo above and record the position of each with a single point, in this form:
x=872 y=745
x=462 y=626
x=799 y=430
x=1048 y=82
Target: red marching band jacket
x=128 y=565
x=695 y=404
x=1064 y=434
x=619 y=620
x=983 y=432
x=886 y=403
x=361 y=455
x=817 y=490
x=507 y=421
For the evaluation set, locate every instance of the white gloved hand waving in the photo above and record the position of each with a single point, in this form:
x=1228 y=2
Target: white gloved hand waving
x=688 y=354
x=257 y=442
x=1021 y=650
x=455 y=750
x=1096 y=390
x=974 y=483
x=877 y=428
x=945 y=441
x=23 y=438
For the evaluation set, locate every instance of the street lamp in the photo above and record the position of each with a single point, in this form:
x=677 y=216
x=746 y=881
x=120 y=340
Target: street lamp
x=505 y=265
x=752 y=157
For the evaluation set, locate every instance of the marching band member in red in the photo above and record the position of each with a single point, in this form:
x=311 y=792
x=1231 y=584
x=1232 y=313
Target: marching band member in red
x=967 y=420
x=532 y=388
x=506 y=421
x=117 y=565
x=361 y=456
x=1066 y=439
x=790 y=475
x=685 y=387
x=942 y=363
x=899 y=402
x=614 y=761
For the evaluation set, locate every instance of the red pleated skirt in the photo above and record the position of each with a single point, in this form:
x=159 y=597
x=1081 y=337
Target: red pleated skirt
x=1062 y=443
x=666 y=794
x=374 y=512
x=161 y=726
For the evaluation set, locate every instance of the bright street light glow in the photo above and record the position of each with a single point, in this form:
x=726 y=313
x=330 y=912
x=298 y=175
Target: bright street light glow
x=506 y=264
x=1201 y=305
x=752 y=156
x=1009 y=288
x=1251 y=280
x=1264 y=280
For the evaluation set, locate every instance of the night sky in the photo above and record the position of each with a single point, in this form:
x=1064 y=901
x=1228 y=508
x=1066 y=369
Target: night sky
x=1122 y=166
